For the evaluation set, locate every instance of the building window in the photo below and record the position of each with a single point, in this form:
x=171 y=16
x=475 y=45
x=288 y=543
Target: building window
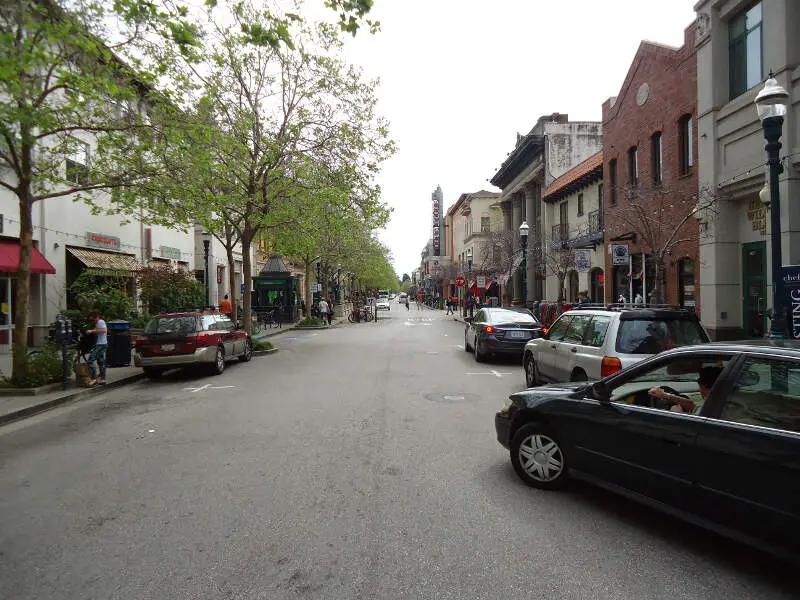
x=633 y=166
x=580 y=205
x=612 y=176
x=485 y=225
x=685 y=145
x=78 y=163
x=655 y=153
x=745 y=52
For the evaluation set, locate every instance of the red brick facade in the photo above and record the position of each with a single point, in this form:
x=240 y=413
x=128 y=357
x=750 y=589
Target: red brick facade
x=659 y=90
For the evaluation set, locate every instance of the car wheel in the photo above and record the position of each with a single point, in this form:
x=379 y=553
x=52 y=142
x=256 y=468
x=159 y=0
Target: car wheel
x=152 y=373
x=579 y=375
x=466 y=345
x=531 y=380
x=248 y=352
x=219 y=362
x=479 y=356
x=538 y=457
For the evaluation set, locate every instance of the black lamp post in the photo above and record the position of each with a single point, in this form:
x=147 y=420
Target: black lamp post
x=771 y=105
x=469 y=283
x=206 y=237
x=523 y=238
x=319 y=278
x=338 y=284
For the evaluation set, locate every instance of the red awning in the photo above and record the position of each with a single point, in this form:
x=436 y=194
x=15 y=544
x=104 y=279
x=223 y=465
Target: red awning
x=9 y=260
x=489 y=284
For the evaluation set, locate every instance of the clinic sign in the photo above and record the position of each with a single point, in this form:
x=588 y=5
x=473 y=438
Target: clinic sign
x=791 y=286
x=436 y=210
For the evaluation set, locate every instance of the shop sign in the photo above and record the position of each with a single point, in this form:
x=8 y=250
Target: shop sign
x=791 y=286
x=99 y=240
x=583 y=261
x=169 y=252
x=619 y=254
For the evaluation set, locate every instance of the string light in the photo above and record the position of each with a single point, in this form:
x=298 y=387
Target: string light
x=754 y=168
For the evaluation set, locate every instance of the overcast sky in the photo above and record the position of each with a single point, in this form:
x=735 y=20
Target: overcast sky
x=460 y=78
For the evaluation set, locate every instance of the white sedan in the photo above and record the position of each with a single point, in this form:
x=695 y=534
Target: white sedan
x=383 y=303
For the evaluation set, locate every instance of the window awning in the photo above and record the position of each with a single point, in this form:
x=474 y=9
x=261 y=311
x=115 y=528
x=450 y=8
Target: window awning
x=104 y=262
x=9 y=260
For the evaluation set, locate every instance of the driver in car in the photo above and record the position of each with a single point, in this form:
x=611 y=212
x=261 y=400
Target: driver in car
x=680 y=403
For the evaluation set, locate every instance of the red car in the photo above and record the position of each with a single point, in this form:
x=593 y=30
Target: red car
x=206 y=339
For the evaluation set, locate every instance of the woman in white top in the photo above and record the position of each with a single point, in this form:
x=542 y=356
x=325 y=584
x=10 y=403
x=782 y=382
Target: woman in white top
x=323 y=308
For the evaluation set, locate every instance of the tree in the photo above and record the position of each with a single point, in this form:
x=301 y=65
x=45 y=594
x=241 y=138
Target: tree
x=558 y=258
x=405 y=278
x=663 y=222
x=64 y=86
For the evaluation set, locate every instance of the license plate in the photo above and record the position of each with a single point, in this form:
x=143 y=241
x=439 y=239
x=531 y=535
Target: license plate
x=147 y=361
x=518 y=334
x=168 y=347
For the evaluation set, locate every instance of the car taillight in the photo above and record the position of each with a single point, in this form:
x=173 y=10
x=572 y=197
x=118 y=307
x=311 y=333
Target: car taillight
x=610 y=365
x=544 y=330
x=203 y=338
x=489 y=329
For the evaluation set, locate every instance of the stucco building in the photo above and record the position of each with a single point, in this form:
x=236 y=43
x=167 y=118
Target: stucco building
x=551 y=148
x=738 y=43
x=650 y=178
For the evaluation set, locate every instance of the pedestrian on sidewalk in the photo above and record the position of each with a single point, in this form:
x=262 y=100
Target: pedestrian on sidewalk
x=225 y=306
x=449 y=307
x=330 y=311
x=98 y=354
x=323 y=309
x=407 y=303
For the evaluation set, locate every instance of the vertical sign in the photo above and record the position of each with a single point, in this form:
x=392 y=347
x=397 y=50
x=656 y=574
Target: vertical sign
x=791 y=285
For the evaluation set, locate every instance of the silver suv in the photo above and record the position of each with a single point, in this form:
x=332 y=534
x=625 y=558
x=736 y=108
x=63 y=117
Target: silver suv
x=591 y=343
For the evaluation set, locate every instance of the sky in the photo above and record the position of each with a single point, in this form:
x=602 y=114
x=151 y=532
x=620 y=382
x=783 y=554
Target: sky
x=460 y=78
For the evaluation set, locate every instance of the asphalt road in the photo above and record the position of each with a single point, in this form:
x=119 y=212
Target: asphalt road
x=357 y=462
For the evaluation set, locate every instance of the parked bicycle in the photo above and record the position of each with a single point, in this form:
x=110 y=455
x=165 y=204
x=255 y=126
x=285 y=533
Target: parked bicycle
x=364 y=313
x=264 y=320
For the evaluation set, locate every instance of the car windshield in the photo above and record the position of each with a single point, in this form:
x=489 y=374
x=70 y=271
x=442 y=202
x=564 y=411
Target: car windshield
x=651 y=336
x=512 y=316
x=177 y=325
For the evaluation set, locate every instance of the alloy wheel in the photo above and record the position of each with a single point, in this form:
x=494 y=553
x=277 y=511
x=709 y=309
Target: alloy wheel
x=541 y=457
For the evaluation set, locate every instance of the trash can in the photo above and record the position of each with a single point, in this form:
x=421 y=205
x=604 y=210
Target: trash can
x=119 y=344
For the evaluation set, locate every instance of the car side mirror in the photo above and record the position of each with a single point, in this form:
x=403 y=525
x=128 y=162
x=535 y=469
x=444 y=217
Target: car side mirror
x=601 y=392
x=468 y=319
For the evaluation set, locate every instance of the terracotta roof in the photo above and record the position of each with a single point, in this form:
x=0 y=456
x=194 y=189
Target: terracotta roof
x=575 y=175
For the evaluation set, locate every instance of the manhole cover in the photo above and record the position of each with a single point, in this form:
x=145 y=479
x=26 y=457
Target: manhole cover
x=452 y=397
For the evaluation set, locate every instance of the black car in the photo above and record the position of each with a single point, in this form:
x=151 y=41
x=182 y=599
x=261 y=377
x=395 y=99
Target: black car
x=500 y=331
x=710 y=433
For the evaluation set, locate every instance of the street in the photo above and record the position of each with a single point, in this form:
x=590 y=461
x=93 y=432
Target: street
x=357 y=462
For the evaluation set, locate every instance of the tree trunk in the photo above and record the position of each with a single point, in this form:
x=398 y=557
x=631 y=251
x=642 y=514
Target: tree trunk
x=19 y=365
x=561 y=277
x=307 y=281
x=247 y=239
x=658 y=297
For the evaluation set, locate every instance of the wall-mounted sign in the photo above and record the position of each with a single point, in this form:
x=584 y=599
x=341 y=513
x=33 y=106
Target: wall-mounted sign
x=791 y=285
x=220 y=274
x=99 y=240
x=481 y=281
x=583 y=261
x=169 y=252
x=619 y=254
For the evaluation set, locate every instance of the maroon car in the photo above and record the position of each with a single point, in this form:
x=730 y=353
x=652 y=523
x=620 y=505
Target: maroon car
x=205 y=339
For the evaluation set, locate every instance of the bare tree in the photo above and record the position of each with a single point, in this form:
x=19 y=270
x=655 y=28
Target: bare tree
x=664 y=222
x=558 y=258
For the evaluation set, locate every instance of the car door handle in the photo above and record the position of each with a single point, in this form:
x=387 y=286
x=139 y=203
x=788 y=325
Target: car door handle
x=573 y=349
x=553 y=346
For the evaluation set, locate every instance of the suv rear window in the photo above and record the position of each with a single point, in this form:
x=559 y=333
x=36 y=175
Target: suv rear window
x=651 y=336
x=171 y=325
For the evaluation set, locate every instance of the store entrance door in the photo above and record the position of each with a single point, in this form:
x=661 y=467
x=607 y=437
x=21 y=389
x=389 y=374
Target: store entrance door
x=754 y=292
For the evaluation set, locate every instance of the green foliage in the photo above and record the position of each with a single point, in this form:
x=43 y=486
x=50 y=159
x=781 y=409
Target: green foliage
x=262 y=345
x=162 y=289
x=311 y=322
x=106 y=295
x=43 y=367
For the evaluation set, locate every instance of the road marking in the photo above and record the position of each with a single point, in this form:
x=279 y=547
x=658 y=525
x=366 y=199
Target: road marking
x=431 y=352
x=492 y=372
x=198 y=389
x=208 y=386
x=222 y=387
x=459 y=346
x=454 y=397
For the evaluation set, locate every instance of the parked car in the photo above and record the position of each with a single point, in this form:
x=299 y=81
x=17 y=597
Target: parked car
x=401 y=296
x=207 y=339
x=500 y=331
x=590 y=343
x=728 y=458
x=383 y=303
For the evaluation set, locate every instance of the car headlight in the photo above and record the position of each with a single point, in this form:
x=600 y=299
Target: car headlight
x=507 y=406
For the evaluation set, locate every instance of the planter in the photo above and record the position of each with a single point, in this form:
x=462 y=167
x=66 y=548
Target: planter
x=264 y=352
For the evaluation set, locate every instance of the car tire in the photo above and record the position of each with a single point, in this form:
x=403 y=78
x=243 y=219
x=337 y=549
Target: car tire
x=218 y=366
x=579 y=375
x=152 y=372
x=248 y=352
x=531 y=379
x=479 y=356
x=538 y=457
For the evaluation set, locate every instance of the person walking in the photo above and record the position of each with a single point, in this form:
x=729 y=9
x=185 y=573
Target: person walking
x=407 y=303
x=449 y=307
x=330 y=311
x=98 y=354
x=323 y=309
x=225 y=306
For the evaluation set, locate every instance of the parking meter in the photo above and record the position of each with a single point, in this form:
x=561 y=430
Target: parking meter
x=63 y=335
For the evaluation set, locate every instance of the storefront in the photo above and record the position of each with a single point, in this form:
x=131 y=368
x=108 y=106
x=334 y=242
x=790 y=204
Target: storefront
x=275 y=289
x=103 y=261
x=9 y=266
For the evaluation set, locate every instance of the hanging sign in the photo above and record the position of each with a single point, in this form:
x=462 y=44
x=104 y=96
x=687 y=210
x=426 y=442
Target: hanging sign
x=459 y=281
x=583 y=261
x=481 y=281
x=791 y=285
x=619 y=254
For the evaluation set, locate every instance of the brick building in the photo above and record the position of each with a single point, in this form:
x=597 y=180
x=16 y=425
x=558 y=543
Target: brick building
x=651 y=186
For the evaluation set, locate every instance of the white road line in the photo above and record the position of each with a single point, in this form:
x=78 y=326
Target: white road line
x=222 y=387
x=460 y=347
x=496 y=374
x=198 y=389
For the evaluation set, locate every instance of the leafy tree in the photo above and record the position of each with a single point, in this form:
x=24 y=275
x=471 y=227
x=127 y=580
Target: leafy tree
x=108 y=295
x=162 y=289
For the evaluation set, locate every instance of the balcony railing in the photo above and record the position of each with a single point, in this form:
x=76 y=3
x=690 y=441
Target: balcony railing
x=595 y=221
x=560 y=233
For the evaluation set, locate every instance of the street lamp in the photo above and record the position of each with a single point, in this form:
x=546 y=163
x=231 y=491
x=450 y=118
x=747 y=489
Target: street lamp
x=206 y=237
x=771 y=106
x=469 y=282
x=523 y=237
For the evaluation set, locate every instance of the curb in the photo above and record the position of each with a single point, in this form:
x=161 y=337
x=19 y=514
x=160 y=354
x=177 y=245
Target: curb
x=264 y=352
x=77 y=395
